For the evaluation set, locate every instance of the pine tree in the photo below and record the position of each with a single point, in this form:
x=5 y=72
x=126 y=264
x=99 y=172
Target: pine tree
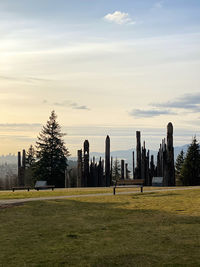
x=30 y=156
x=51 y=153
x=116 y=170
x=30 y=179
x=178 y=166
x=190 y=171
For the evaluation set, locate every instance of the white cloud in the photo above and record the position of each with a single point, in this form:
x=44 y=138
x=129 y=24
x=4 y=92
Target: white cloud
x=158 y=4
x=119 y=18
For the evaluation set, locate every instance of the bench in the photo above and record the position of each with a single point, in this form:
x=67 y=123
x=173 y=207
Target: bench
x=20 y=188
x=45 y=187
x=128 y=183
x=42 y=185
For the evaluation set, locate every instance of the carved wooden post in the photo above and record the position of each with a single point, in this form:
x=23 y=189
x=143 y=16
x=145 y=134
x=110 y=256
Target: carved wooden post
x=122 y=169
x=152 y=169
x=24 y=159
x=143 y=163
x=111 y=170
x=79 y=169
x=95 y=179
x=159 y=163
x=147 y=174
x=133 y=155
x=100 y=173
x=127 y=171
x=19 y=168
x=138 y=155
x=86 y=171
x=170 y=172
x=107 y=161
x=23 y=166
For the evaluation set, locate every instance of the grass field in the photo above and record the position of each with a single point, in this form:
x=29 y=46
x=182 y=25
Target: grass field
x=49 y=193
x=64 y=192
x=150 y=229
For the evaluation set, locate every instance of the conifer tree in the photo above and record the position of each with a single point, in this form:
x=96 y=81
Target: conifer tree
x=30 y=156
x=116 y=170
x=30 y=179
x=190 y=171
x=178 y=166
x=51 y=153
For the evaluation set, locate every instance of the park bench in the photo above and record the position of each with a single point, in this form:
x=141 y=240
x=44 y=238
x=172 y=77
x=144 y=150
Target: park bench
x=128 y=183
x=20 y=188
x=45 y=187
x=42 y=185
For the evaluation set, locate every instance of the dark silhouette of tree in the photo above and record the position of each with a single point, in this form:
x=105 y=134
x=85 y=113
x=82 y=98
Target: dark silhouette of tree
x=116 y=170
x=178 y=166
x=30 y=156
x=51 y=153
x=190 y=171
x=30 y=178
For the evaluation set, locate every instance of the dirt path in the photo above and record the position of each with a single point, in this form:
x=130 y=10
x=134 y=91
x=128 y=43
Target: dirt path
x=10 y=202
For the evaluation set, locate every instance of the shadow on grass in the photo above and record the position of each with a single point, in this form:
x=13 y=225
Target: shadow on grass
x=155 y=194
x=79 y=233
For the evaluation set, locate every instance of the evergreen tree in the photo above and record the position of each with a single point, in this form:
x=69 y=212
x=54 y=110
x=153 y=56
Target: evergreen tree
x=178 y=166
x=116 y=170
x=30 y=178
x=190 y=171
x=30 y=156
x=51 y=153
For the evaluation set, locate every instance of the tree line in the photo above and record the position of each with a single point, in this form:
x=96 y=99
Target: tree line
x=187 y=165
x=48 y=160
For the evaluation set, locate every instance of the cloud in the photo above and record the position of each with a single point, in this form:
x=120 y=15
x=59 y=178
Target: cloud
x=140 y=113
x=20 y=127
x=23 y=79
x=158 y=5
x=187 y=101
x=81 y=107
x=73 y=105
x=119 y=18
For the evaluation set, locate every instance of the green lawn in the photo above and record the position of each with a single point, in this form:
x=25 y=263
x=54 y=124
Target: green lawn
x=49 y=193
x=123 y=230
x=63 y=192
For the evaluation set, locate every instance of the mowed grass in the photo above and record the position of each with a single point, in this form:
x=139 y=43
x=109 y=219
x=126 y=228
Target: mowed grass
x=64 y=192
x=18 y=194
x=150 y=229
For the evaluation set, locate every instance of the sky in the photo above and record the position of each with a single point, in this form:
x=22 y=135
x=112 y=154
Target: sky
x=105 y=67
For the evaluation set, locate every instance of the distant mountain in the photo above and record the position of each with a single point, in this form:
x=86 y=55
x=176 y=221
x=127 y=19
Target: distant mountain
x=120 y=154
x=127 y=154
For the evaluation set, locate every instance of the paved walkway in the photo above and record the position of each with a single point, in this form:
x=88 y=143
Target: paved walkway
x=6 y=202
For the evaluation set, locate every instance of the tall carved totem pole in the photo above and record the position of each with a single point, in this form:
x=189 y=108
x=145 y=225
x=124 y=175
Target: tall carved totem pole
x=21 y=168
x=138 y=156
x=107 y=162
x=86 y=168
x=79 y=169
x=169 y=171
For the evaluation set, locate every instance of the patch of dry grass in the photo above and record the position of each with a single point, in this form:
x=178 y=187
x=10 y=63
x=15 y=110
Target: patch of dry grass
x=123 y=230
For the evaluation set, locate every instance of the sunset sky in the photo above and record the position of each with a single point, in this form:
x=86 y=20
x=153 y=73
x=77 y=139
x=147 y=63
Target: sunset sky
x=105 y=66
